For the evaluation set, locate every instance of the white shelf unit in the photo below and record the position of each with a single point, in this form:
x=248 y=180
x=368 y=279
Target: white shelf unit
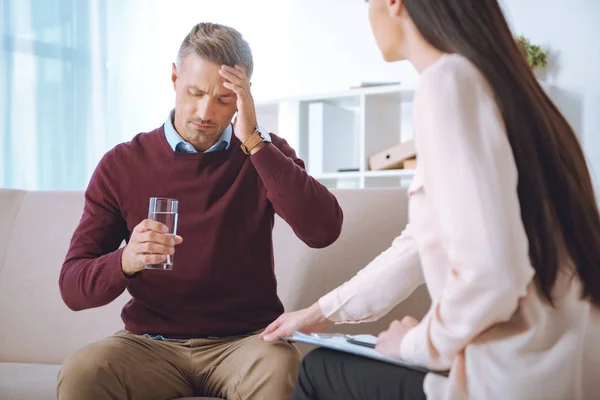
x=356 y=124
x=340 y=131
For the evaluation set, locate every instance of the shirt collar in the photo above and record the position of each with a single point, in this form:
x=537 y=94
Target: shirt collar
x=179 y=145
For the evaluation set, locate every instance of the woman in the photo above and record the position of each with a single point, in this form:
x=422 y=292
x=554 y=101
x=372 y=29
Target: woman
x=504 y=230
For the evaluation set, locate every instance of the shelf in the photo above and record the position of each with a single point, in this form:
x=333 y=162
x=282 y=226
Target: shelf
x=342 y=130
x=338 y=175
x=409 y=173
x=397 y=92
x=403 y=92
x=400 y=173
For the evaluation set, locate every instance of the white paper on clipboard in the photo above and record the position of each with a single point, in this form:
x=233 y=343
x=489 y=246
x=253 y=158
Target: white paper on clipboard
x=340 y=342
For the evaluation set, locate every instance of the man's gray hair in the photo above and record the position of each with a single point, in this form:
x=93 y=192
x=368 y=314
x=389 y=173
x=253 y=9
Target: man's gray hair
x=219 y=44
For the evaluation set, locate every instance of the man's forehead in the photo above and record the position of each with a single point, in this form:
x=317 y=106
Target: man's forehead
x=216 y=93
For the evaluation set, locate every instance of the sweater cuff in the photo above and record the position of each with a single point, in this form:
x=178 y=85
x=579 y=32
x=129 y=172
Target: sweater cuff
x=270 y=161
x=115 y=277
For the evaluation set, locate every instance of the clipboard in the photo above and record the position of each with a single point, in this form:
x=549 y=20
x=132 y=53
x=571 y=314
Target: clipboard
x=360 y=345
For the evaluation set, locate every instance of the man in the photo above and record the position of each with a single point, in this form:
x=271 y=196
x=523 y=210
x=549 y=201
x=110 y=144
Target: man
x=193 y=330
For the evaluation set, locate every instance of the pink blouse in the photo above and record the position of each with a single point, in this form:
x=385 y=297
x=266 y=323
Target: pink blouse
x=488 y=323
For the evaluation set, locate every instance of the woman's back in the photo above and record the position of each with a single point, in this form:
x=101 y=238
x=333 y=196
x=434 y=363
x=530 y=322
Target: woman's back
x=542 y=352
x=466 y=219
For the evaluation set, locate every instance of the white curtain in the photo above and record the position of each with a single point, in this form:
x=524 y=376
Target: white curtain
x=63 y=91
x=52 y=97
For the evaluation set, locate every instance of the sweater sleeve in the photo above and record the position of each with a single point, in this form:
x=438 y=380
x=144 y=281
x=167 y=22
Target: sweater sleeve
x=91 y=275
x=471 y=178
x=306 y=205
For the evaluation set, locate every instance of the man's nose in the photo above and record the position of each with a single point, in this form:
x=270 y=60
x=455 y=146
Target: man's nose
x=205 y=109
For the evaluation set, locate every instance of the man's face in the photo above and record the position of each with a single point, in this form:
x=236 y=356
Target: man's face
x=203 y=106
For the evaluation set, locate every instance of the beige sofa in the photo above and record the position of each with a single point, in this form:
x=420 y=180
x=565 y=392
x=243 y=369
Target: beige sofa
x=37 y=331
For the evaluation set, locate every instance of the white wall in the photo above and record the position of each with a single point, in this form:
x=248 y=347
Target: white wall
x=299 y=46
x=308 y=46
x=571 y=29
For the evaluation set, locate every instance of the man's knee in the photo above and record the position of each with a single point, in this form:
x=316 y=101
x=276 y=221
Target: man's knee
x=273 y=372
x=281 y=359
x=88 y=368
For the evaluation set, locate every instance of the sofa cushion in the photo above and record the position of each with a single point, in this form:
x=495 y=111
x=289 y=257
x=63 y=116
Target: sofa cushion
x=28 y=381
x=37 y=327
x=10 y=202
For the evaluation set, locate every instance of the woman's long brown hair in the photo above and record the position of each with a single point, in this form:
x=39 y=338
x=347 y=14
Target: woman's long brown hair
x=556 y=195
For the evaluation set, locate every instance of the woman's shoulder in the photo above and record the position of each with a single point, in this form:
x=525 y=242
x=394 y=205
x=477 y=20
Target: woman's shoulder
x=452 y=67
x=451 y=64
x=454 y=75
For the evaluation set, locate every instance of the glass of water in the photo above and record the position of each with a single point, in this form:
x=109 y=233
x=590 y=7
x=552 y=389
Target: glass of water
x=165 y=212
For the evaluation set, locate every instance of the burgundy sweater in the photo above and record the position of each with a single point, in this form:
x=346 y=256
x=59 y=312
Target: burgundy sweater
x=223 y=280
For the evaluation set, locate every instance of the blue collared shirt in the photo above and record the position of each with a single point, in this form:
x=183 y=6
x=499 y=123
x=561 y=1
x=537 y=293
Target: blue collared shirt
x=179 y=145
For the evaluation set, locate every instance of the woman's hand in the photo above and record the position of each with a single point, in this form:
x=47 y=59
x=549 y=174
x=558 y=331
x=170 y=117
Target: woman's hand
x=388 y=342
x=308 y=320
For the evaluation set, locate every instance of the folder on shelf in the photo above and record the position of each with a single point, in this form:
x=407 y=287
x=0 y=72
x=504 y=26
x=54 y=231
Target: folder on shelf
x=394 y=157
x=360 y=345
x=411 y=163
x=362 y=85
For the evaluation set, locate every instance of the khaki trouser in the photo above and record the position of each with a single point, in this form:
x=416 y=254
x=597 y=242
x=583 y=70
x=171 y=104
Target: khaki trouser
x=129 y=366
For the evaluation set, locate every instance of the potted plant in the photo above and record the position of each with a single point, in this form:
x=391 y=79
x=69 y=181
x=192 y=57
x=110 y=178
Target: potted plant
x=536 y=57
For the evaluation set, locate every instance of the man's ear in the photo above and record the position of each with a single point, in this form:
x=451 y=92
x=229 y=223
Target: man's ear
x=174 y=74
